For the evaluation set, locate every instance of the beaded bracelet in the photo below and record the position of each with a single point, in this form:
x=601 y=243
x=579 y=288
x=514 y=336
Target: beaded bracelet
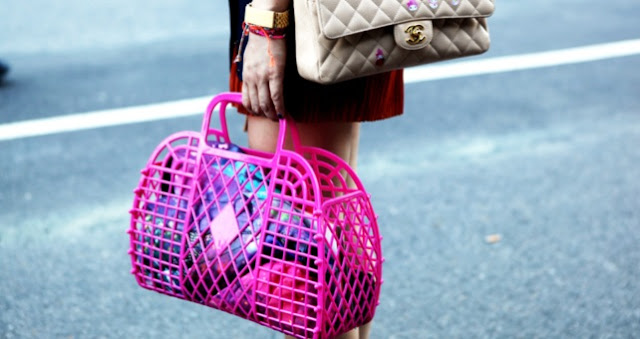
x=269 y=33
x=272 y=33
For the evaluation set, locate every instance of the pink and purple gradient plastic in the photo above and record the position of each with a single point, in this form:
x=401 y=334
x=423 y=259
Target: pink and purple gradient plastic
x=296 y=250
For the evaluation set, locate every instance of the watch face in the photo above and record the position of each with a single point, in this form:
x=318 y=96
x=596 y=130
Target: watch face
x=266 y=19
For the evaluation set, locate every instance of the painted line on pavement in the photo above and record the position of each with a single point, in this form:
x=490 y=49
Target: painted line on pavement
x=523 y=62
x=195 y=106
x=103 y=118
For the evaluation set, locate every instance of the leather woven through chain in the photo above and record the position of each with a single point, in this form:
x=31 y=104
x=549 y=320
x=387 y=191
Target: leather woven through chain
x=364 y=41
x=282 y=19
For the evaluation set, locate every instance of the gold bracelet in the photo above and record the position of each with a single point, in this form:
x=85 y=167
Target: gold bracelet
x=266 y=19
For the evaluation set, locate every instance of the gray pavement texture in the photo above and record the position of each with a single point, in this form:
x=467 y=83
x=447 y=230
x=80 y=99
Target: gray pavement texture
x=548 y=158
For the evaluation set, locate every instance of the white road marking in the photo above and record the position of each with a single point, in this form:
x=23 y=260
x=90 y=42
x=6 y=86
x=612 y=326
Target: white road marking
x=523 y=61
x=104 y=118
x=195 y=106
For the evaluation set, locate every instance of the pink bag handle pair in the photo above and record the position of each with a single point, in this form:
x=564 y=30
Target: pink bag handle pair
x=224 y=99
x=269 y=159
x=286 y=125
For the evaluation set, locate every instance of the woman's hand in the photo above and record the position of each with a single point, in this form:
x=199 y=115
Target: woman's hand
x=263 y=75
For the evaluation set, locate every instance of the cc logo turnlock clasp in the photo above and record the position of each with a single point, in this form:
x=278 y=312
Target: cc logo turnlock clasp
x=416 y=34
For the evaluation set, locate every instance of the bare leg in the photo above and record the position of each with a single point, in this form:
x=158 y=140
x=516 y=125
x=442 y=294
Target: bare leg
x=341 y=139
x=365 y=331
x=338 y=138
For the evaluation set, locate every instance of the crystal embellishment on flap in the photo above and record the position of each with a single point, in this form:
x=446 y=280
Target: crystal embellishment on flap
x=379 y=57
x=412 y=5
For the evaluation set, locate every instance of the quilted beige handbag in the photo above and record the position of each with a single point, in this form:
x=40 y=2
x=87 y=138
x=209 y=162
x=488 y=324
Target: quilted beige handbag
x=338 y=40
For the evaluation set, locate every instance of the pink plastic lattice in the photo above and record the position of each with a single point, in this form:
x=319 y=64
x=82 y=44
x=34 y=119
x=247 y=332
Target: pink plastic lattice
x=288 y=240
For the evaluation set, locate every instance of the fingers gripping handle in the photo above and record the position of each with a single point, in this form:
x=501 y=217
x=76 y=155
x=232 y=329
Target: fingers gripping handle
x=224 y=99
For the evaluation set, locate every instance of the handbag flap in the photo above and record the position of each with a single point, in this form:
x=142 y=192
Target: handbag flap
x=339 y=18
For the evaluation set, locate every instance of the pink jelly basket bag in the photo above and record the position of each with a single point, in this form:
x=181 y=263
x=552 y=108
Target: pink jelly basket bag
x=287 y=240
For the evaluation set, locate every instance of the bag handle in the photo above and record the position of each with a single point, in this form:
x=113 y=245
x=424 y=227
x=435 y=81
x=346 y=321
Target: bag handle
x=224 y=99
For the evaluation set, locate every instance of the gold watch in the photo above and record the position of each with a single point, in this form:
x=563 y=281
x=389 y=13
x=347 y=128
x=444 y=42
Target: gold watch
x=266 y=19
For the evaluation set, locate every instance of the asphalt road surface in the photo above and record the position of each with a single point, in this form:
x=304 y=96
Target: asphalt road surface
x=546 y=158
